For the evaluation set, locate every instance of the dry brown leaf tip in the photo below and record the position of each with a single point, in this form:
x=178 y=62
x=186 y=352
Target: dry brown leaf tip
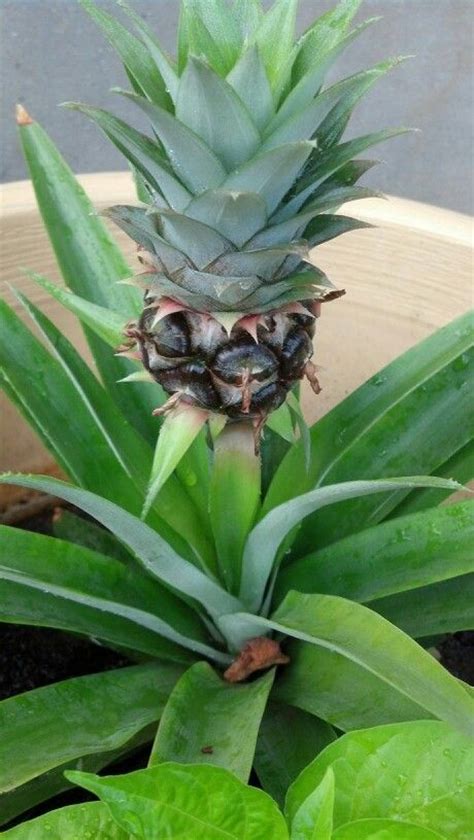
x=22 y=116
x=257 y=655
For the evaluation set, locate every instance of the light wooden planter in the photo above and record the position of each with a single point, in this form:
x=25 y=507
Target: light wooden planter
x=405 y=279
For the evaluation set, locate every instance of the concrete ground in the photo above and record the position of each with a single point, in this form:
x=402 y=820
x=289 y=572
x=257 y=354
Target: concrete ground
x=51 y=51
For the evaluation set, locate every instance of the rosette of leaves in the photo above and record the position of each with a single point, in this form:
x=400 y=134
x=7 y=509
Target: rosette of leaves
x=267 y=603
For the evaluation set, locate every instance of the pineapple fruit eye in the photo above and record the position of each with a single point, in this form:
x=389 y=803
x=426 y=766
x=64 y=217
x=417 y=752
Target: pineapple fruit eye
x=246 y=360
x=295 y=353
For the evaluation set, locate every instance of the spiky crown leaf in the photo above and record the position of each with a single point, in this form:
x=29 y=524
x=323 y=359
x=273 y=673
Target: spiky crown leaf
x=245 y=169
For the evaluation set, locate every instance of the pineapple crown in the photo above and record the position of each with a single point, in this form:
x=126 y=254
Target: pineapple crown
x=246 y=169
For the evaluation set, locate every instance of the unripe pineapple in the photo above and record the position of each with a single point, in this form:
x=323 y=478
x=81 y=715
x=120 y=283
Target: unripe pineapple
x=242 y=177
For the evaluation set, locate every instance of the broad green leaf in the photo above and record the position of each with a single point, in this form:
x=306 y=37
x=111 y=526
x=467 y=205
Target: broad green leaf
x=194 y=163
x=393 y=557
x=209 y=721
x=44 y=728
x=76 y=822
x=164 y=65
x=89 y=260
x=281 y=423
x=104 y=322
x=250 y=81
x=368 y=640
x=143 y=153
x=177 y=433
x=382 y=428
x=384 y=830
x=156 y=555
x=271 y=174
x=234 y=497
x=137 y=60
x=199 y=242
x=82 y=591
x=197 y=802
x=444 y=607
x=420 y=773
x=327 y=684
x=459 y=466
x=248 y=14
x=208 y=105
x=261 y=549
x=323 y=34
x=236 y=215
x=288 y=740
x=314 y=818
x=53 y=782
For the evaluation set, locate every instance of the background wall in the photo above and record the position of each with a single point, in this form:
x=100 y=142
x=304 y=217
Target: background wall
x=51 y=52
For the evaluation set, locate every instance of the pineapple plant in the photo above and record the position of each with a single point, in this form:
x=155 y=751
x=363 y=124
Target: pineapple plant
x=241 y=177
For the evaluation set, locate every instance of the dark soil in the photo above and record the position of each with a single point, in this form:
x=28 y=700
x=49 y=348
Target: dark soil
x=457 y=655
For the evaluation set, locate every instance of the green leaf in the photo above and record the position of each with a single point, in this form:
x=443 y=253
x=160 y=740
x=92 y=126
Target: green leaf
x=336 y=689
x=323 y=35
x=248 y=14
x=209 y=721
x=77 y=822
x=83 y=441
x=156 y=555
x=44 y=728
x=261 y=549
x=137 y=60
x=271 y=174
x=74 y=529
x=393 y=557
x=194 y=38
x=288 y=740
x=314 y=818
x=324 y=164
x=53 y=782
x=281 y=423
x=275 y=37
x=369 y=640
x=208 y=105
x=250 y=81
x=194 y=163
x=234 y=497
x=326 y=227
x=384 y=830
x=177 y=433
x=444 y=607
x=219 y=23
x=164 y=65
x=196 y=802
x=382 y=428
x=143 y=153
x=420 y=773
x=459 y=466
x=235 y=215
x=89 y=260
x=105 y=323
x=84 y=592
x=304 y=108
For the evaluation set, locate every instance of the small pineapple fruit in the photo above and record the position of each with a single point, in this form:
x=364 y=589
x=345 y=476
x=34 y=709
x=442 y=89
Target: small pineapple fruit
x=241 y=178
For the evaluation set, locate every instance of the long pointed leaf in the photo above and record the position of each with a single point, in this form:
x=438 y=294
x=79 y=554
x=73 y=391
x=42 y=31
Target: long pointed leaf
x=164 y=65
x=208 y=105
x=265 y=539
x=396 y=556
x=369 y=640
x=323 y=34
x=137 y=60
x=209 y=721
x=44 y=728
x=250 y=81
x=422 y=390
x=89 y=260
x=157 y=557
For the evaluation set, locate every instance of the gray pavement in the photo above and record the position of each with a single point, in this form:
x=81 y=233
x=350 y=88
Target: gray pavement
x=50 y=51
